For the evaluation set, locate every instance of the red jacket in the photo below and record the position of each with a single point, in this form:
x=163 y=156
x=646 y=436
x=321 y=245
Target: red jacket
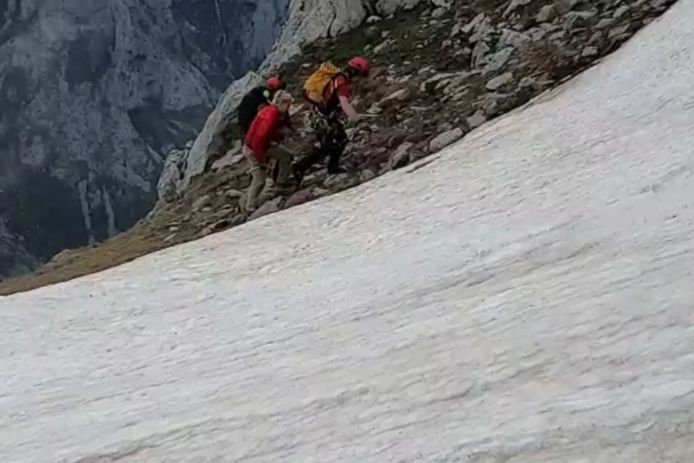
x=264 y=130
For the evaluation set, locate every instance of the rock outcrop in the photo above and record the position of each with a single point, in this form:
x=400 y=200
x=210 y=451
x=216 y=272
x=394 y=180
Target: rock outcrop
x=310 y=20
x=182 y=165
x=14 y=258
x=95 y=93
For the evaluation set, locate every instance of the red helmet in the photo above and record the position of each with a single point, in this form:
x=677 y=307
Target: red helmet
x=273 y=83
x=360 y=65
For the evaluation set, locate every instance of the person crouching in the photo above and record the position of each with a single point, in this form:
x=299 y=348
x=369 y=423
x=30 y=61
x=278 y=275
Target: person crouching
x=262 y=144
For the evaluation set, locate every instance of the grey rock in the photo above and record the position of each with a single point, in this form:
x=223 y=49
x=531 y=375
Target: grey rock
x=536 y=33
x=479 y=28
x=445 y=139
x=232 y=157
x=444 y=127
x=500 y=81
x=433 y=82
x=479 y=54
x=469 y=27
x=659 y=5
x=547 y=13
x=576 y=19
x=558 y=37
x=515 y=39
x=498 y=60
x=604 y=23
x=238 y=219
x=456 y=85
x=529 y=83
x=201 y=202
x=382 y=46
x=171 y=175
x=445 y=4
x=476 y=119
x=618 y=31
x=170 y=238
x=268 y=207
x=483 y=31
x=439 y=12
x=374 y=109
x=299 y=197
x=215 y=227
x=589 y=52
x=400 y=157
x=310 y=20
x=596 y=37
x=562 y=7
x=621 y=12
x=14 y=254
x=514 y=5
x=366 y=175
x=321 y=192
x=491 y=104
x=340 y=182
x=442 y=85
x=233 y=193
x=459 y=94
x=399 y=95
x=372 y=33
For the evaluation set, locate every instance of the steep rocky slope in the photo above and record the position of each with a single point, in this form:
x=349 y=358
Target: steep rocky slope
x=525 y=297
x=94 y=93
x=441 y=71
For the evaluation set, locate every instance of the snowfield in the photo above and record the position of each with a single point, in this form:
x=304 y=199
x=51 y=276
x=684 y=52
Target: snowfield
x=526 y=297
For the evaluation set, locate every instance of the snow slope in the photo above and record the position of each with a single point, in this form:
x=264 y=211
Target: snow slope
x=526 y=297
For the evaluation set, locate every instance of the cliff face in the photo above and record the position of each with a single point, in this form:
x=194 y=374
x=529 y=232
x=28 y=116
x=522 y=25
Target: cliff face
x=93 y=93
x=310 y=20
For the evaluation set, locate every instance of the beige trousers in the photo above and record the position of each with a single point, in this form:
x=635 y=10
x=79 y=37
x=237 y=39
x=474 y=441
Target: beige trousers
x=259 y=173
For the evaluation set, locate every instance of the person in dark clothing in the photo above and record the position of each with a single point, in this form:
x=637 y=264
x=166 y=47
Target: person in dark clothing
x=254 y=100
x=329 y=91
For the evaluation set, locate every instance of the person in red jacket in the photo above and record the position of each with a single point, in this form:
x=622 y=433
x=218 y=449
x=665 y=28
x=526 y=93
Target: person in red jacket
x=261 y=145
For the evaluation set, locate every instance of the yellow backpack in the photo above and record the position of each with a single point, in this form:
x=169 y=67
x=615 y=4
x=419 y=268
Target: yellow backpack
x=316 y=82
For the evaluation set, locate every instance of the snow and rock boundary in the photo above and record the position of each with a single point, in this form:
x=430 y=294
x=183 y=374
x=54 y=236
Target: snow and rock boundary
x=457 y=68
x=525 y=297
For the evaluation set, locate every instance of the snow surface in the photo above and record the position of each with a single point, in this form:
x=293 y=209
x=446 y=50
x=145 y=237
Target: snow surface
x=526 y=297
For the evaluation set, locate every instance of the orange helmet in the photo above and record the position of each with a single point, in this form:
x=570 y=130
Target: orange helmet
x=273 y=83
x=360 y=65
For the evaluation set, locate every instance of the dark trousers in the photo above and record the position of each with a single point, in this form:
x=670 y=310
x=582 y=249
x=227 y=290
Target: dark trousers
x=332 y=141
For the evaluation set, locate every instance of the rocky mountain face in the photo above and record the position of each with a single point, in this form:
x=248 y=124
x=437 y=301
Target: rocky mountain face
x=441 y=70
x=307 y=22
x=94 y=93
x=447 y=67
